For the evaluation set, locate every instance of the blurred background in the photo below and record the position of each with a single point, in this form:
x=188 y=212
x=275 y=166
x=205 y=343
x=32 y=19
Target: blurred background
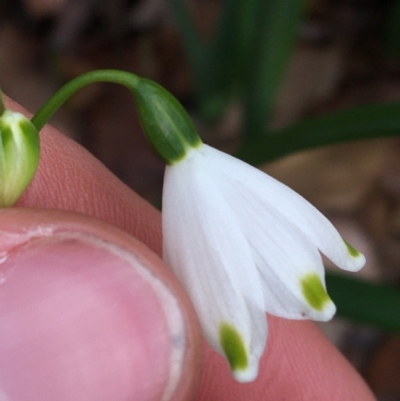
x=246 y=70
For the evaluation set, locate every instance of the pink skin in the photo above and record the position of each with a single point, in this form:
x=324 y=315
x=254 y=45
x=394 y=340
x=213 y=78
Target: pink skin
x=86 y=315
x=299 y=363
x=69 y=305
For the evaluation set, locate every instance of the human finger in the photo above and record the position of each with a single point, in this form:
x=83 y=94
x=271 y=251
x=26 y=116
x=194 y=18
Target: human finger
x=89 y=313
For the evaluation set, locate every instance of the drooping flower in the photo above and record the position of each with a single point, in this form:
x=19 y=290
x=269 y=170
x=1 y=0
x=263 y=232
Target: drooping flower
x=244 y=244
x=240 y=242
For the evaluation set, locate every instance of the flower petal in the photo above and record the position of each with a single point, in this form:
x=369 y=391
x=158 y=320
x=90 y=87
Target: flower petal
x=291 y=205
x=289 y=264
x=205 y=247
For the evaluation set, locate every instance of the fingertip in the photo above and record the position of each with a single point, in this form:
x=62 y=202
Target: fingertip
x=298 y=364
x=89 y=313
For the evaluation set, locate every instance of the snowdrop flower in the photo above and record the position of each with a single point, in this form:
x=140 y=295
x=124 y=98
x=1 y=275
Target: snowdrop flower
x=244 y=244
x=240 y=242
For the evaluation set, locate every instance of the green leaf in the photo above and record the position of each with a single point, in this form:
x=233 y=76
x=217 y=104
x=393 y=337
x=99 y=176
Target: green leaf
x=365 y=302
x=227 y=55
x=212 y=60
x=193 y=43
x=392 y=30
x=276 y=29
x=217 y=63
x=364 y=122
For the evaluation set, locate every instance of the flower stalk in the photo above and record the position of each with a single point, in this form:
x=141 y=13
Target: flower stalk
x=165 y=123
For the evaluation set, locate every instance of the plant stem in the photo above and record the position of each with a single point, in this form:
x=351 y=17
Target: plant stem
x=62 y=95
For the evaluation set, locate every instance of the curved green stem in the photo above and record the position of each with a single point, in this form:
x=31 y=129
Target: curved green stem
x=43 y=115
x=165 y=122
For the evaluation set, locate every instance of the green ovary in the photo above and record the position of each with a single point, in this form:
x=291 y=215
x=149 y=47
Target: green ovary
x=314 y=292
x=233 y=346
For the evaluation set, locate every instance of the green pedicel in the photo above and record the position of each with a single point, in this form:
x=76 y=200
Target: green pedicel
x=165 y=122
x=314 y=292
x=233 y=346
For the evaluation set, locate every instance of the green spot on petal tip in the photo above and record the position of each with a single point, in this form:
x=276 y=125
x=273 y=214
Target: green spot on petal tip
x=314 y=292
x=233 y=346
x=352 y=251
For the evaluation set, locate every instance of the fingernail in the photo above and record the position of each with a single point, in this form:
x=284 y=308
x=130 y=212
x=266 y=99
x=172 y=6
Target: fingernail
x=83 y=320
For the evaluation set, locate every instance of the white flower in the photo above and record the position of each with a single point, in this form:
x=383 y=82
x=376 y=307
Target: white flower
x=241 y=243
x=244 y=244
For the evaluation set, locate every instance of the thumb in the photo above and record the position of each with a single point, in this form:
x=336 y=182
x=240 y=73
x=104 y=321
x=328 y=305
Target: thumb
x=88 y=313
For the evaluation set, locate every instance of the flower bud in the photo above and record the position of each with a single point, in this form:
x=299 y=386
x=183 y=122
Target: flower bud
x=19 y=155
